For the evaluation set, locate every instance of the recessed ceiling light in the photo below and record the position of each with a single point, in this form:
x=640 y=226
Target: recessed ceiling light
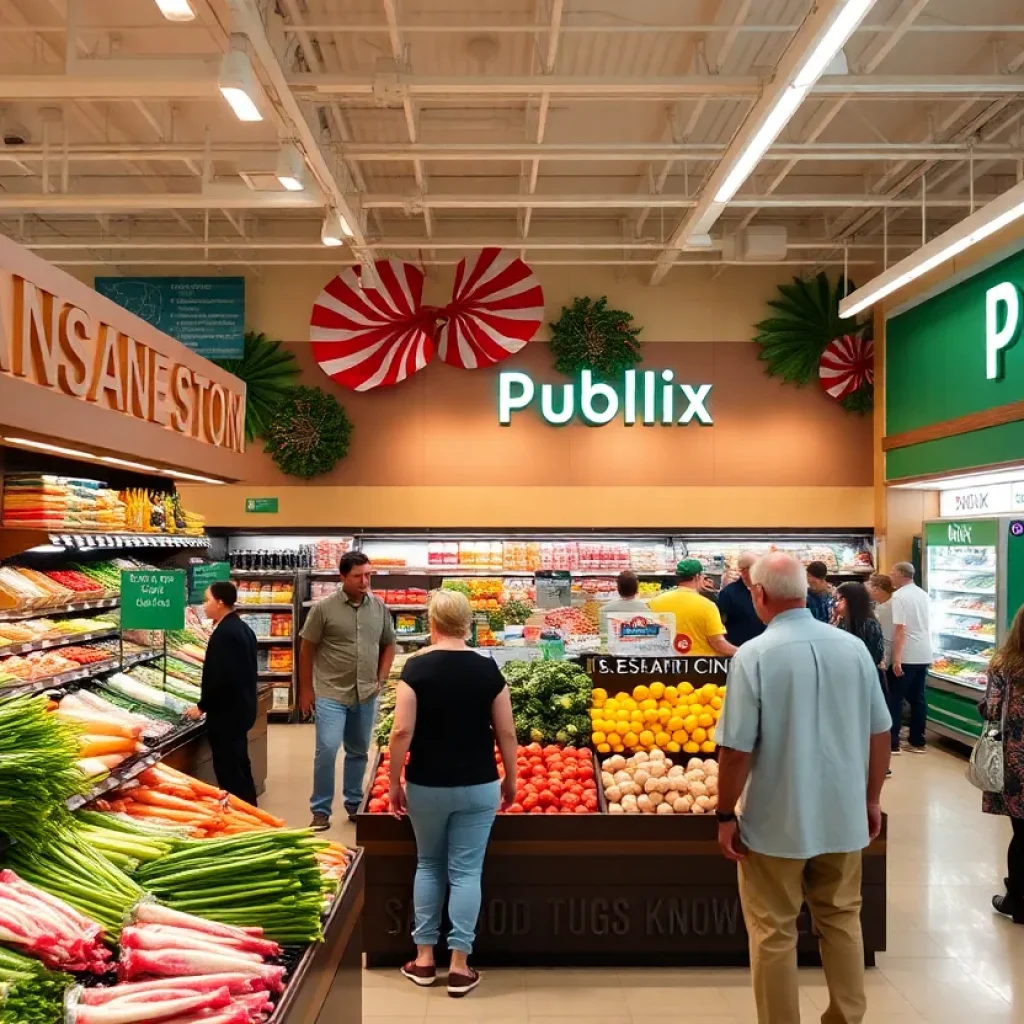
x=176 y=10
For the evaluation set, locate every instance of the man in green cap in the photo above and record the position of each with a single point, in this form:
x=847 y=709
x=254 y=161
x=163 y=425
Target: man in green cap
x=699 y=628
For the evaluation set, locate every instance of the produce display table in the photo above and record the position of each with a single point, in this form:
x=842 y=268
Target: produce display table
x=195 y=758
x=599 y=889
x=326 y=984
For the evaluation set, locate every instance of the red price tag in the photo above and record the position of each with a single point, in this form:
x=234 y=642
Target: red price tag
x=682 y=643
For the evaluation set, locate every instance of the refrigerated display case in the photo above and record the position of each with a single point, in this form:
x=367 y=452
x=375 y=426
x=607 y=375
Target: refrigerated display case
x=972 y=570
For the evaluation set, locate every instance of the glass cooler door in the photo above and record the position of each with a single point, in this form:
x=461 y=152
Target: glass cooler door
x=962 y=580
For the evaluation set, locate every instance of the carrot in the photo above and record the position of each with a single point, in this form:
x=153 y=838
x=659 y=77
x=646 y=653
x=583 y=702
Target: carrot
x=181 y=791
x=203 y=788
x=102 y=727
x=145 y=811
x=246 y=808
x=96 y=746
x=157 y=799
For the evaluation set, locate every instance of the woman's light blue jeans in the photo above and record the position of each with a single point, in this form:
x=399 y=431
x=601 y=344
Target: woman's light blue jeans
x=452 y=826
x=338 y=723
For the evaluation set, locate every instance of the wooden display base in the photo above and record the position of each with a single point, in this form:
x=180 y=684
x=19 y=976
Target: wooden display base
x=327 y=985
x=195 y=758
x=595 y=890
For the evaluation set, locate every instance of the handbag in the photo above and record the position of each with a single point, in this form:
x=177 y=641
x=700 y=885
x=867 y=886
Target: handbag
x=986 y=770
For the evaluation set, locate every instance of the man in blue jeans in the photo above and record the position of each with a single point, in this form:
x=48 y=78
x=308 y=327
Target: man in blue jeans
x=348 y=644
x=911 y=656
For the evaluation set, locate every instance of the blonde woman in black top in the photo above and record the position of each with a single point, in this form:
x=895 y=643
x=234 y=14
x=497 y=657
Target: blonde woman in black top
x=452 y=706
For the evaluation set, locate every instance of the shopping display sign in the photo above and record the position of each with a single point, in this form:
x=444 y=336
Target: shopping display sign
x=153 y=599
x=206 y=314
x=553 y=588
x=997 y=500
x=641 y=633
x=268 y=506
x=648 y=397
x=202 y=575
x=971 y=533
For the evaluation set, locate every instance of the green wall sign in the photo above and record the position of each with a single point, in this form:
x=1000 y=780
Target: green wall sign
x=952 y=355
x=647 y=397
x=261 y=505
x=153 y=599
x=202 y=575
x=206 y=314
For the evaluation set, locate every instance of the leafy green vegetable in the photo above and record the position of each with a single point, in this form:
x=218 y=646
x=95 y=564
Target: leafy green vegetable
x=29 y=993
x=456 y=585
x=550 y=701
x=516 y=612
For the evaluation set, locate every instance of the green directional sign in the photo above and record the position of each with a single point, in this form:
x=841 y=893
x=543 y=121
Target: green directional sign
x=267 y=505
x=202 y=575
x=153 y=599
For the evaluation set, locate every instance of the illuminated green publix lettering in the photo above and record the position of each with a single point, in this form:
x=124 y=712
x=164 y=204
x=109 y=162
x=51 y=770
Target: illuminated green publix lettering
x=1002 y=302
x=648 y=396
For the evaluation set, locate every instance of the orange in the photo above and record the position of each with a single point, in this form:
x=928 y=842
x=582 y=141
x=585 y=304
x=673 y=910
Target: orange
x=690 y=748
x=657 y=690
x=690 y=723
x=706 y=721
x=647 y=738
x=680 y=736
x=614 y=739
x=664 y=716
x=696 y=709
x=673 y=748
x=716 y=703
x=599 y=738
x=641 y=692
x=630 y=739
x=661 y=739
x=686 y=689
x=618 y=749
x=675 y=723
x=671 y=694
x=698 y=736
x=651 y=717
x=599 y=695
x=603 y=748
x=611 y=706
x=708 y=747
x=648 y=704
x=636 y=716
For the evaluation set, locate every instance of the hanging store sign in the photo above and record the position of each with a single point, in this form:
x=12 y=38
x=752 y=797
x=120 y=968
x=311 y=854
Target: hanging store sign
x=206 y=314
x=153 y=599
x=70 y=340
x=648 y=397
x=997 y=500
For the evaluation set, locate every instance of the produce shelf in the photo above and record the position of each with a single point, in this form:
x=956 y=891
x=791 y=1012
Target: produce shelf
x=409 y=638
x=965 y=635
x=60 y=609
x=67 y=640
x=141 y=657
x=405 y=607
x=274 y=675
x=32 y=686
x=966 y=684
x=971 y=613
x=264 y=574
x=987 y=591
x=965 y=656
x=273 y=639
x=246 y=606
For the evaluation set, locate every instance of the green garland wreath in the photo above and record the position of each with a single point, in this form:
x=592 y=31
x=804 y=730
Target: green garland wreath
x=270 y=375
x=590 y=336
x=309 y=433
x=806 y=319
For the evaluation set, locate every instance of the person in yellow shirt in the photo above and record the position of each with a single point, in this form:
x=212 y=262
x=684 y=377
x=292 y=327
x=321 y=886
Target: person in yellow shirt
x=699 y=628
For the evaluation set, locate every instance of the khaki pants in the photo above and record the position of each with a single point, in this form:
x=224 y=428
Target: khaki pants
x=772 y=890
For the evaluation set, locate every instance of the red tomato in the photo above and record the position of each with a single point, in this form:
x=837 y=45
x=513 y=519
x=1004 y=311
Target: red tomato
x=378 y=806
x=547 y=798
x=530 y=801
x=552 y=748
x=516 y=808
x=534 y=748
x=581 y=809
x=536 y=759
x=556 y=788
x=551 y=810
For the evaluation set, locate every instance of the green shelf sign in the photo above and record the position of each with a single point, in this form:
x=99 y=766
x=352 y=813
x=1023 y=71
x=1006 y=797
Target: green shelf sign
x=201 y=576
x=261 y=505
x=153 y=599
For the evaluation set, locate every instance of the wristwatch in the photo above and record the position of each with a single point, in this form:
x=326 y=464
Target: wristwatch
x=724 y=817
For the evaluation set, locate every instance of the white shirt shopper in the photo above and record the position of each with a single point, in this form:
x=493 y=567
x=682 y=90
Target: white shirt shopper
x=912 y=642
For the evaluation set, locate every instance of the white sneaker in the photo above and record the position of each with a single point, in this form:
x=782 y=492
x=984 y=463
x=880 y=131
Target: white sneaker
x=916 y=750
x=895 y=753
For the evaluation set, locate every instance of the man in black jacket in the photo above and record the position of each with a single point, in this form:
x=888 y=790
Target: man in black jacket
x=229 y=691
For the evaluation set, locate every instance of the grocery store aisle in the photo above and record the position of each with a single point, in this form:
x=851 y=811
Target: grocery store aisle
x=950 y=959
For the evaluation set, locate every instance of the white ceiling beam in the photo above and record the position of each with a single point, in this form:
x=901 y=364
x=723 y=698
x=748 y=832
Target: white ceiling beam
x=389 y=90
x=547 y=68
x=127 y=81
x=781 y=94
x=515 y=201
x=105 y=152
x=625 y=28
x=825 y=115
x=631 y=152
x=248 y=19
x=228 y=198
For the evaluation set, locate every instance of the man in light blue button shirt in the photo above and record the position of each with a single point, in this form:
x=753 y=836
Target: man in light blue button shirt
x=805 y=732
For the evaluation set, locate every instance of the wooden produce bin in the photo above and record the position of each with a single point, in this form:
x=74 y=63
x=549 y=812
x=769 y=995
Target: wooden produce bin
x=594 y=890
x=195 y=758
x=326 y=986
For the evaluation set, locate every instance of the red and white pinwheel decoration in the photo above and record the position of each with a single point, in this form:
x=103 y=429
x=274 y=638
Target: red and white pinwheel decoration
x=364 y=337
x=846 y=365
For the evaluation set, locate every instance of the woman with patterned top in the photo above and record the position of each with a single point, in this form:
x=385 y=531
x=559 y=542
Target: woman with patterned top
x=1005 y=695
x=854 y=615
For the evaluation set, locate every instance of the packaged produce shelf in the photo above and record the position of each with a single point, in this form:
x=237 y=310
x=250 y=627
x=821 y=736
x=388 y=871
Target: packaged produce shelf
x=273 y=639
x=60 y=609
x=32 y=686
x=984 y=591
x=971 y=613
x=974 y=687
x=249 y=607
x=274 y=675
x=264 y=574
x=965 y=635
x=63 y=641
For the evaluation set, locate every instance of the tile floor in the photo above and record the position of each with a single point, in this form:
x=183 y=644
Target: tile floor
x=949 y=961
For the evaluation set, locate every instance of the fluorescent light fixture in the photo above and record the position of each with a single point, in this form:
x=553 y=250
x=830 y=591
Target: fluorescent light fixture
x=831 y=41
x=291 y=169
x=24 y=442
x=237 y=82
x=189 y=476
x=110 y=460
x=992 y=217
x=176 y=10
x=335 y=229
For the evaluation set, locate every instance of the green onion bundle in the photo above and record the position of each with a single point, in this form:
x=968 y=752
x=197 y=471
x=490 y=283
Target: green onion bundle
x=269 y=880
x=38 y=772
x=70 y=869
x=29 y=993
x=125 y=846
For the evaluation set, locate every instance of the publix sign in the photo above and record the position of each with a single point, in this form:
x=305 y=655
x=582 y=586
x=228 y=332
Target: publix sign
x=647 y=397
